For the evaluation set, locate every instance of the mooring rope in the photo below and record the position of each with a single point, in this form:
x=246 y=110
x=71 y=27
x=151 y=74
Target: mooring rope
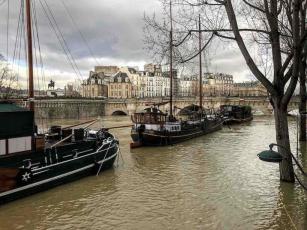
x=110 y=145
x=300 y=182
x=291 y=220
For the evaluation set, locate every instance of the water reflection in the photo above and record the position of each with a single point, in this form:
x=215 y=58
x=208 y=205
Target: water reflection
x=212 y=182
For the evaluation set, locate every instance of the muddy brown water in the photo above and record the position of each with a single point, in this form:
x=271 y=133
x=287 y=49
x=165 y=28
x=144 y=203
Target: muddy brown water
x=212 y=182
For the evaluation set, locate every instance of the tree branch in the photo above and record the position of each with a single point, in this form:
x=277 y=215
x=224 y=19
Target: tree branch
x=195 y=55
x=223 y=36
x=249 y=61
x=253 y=6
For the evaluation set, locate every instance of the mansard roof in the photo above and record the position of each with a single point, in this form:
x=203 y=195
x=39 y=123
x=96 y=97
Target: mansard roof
x=96 y=78
x=250 y=84
x=120 y=77
x=132 y=70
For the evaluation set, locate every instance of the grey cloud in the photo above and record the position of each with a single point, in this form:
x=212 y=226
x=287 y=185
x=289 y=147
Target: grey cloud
x=112 y=28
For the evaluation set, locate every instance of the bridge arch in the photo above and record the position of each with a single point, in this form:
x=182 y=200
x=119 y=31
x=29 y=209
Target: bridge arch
x=119 y=113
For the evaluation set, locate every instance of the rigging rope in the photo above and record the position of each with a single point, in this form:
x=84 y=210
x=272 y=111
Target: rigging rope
x=207 y=43
x=63 y=39
x=18 y=35
x=7 y=30
x=81 y=34
x=39 y=48
x=35 y=53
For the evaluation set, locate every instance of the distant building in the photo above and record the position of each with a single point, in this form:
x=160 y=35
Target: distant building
x=153 y=68
x=96 y=85
x=55 y=92
x=120 y=86
x=249 y=89
x=218 y=84
x=137 y=81
x=176 y=82
x=188 y=86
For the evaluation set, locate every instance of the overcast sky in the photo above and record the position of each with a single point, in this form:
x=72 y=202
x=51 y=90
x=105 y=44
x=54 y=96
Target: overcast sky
x=113 y=30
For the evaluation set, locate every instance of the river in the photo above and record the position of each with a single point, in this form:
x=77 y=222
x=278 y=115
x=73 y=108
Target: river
x=212 y=182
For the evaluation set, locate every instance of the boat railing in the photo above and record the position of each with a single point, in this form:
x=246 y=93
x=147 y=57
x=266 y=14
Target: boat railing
x=109 y=140
x=149 y=118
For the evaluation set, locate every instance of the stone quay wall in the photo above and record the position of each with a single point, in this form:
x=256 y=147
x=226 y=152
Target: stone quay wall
x=69 y=109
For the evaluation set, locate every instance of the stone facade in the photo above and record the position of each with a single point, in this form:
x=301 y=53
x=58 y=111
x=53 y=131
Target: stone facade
x=137 y=81
x=95 y=86
x=188 y=87
x=120 y=86
x=128 y=82
x=176 y=82
x=218 y=84
x=249 y=89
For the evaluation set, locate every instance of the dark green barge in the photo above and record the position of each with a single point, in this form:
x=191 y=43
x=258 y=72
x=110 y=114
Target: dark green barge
x=30 y=163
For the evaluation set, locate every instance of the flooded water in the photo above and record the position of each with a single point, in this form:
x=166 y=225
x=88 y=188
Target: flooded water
x=212 y=182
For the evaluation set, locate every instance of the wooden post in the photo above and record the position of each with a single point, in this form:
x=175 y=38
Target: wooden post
x=171 y=61
x=200 y=67
x=30 y=55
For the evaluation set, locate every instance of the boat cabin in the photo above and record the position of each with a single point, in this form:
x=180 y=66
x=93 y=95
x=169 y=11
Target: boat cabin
x=236 y=111
x=17 y=129
x=150 y=116
x=155 y=119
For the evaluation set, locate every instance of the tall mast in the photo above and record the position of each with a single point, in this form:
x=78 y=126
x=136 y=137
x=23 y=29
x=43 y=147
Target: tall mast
x=200 y=67
x=30 y=55
x=171 y=61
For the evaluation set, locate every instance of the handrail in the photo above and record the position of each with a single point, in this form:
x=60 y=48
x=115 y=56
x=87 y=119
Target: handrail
x=71 y=126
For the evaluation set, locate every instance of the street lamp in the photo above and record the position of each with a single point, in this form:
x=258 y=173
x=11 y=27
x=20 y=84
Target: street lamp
x=275 y=157
x=270 y=155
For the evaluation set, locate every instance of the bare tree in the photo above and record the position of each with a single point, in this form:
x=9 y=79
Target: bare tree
x=303 y=93
x=8 y=79
x=274 y=25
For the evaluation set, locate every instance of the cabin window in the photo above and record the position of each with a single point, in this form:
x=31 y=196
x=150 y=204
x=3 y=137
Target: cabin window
x=19 y=144
x=2 y=147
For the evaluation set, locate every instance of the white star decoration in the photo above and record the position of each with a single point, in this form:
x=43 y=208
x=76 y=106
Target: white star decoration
x=26 y=177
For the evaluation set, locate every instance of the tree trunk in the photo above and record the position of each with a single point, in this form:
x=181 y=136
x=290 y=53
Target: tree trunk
x=282 y=138
x=302 y=72
x=302 y=106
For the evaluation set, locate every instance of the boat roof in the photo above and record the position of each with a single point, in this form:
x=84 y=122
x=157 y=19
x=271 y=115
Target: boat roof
x=151 y=110
x=6 y=107
x=15 y=121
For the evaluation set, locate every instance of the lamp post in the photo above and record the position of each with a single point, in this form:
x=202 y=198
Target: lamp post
x=275 y=157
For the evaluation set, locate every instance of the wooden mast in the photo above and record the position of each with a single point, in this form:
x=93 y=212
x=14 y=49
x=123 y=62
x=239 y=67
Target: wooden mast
x=30 y=55
x=200 y=67
x=171 y=61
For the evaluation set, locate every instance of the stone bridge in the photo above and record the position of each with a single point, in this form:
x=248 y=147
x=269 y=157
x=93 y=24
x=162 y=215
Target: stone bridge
x=259 y=105
x=84 y=108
